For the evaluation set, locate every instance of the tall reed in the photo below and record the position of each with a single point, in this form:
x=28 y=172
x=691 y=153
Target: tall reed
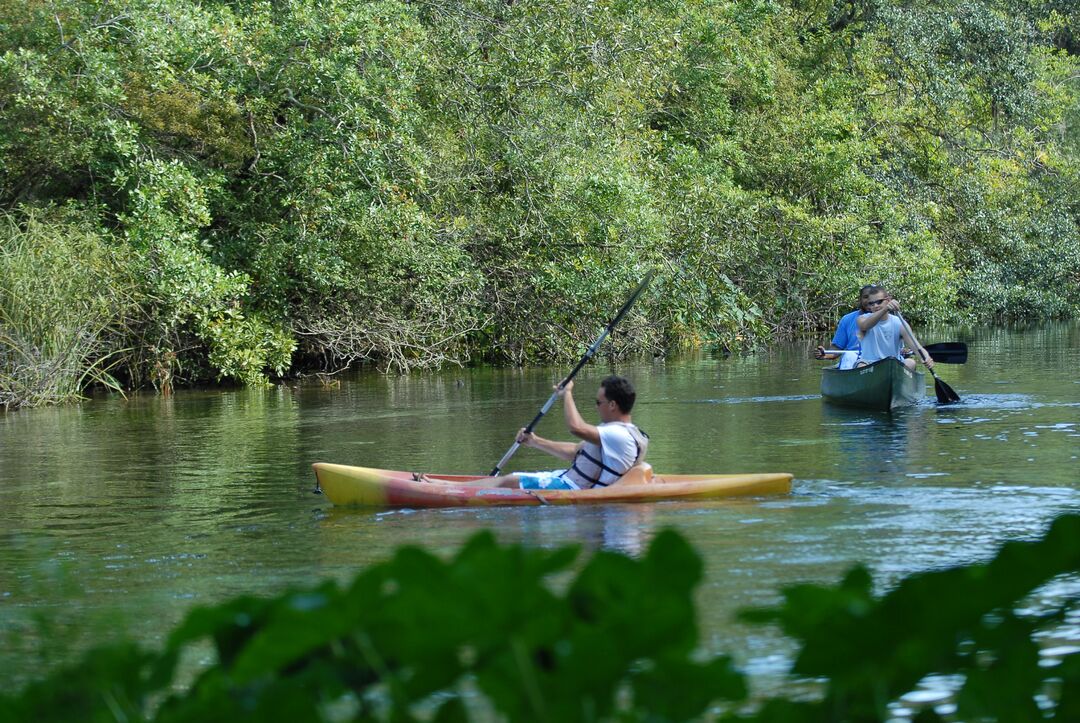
x=63 y=304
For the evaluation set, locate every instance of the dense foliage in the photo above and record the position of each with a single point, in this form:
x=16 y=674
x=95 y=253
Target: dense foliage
x=417 y=638
x=248 y=187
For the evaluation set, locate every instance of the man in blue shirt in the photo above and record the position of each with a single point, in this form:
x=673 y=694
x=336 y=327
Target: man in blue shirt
x=846 y=338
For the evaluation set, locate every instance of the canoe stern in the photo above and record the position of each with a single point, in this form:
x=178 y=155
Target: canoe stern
x=884 y=385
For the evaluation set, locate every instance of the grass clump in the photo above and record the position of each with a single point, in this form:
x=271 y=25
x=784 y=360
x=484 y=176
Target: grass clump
x=64 y=302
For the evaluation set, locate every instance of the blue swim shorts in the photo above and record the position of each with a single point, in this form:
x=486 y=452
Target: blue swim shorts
x=545 y=481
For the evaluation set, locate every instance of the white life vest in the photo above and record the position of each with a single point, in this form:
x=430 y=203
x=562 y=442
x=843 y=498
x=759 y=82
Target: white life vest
x=592 y=467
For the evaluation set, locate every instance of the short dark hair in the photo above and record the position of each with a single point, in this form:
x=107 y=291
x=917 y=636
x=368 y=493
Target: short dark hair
x=621 y=391
x=866 y=292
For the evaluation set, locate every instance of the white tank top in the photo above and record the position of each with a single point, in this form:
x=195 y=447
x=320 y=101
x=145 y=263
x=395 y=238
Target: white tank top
x=880 y=341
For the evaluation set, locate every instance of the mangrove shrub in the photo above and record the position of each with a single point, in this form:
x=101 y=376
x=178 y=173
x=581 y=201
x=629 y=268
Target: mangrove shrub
x=318 y=183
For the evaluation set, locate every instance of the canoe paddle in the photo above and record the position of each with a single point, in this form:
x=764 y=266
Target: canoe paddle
x=584 y=360
x=947 y=352
x=945 y=393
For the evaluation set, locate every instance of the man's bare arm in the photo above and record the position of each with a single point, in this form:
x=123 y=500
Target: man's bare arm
x=562 y=450
x=577 y=424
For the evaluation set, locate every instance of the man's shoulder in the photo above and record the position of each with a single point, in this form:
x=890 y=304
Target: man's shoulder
x=617 y=428
x=621 y=433
x=615 y=425
x=849 y=320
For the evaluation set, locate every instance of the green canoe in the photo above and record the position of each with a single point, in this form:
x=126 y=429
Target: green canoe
x=884 y=385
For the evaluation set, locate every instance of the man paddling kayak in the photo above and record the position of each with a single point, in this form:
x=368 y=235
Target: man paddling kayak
x=607 y=450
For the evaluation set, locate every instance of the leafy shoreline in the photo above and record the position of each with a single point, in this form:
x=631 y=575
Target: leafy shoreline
x=226 y=190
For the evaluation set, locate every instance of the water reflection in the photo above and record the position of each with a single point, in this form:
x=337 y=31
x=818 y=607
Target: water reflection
x=761 y=400
x=626 y=528
x=874 y=444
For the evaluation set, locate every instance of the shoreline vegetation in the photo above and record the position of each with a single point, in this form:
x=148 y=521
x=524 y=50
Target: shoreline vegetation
x=230 y=191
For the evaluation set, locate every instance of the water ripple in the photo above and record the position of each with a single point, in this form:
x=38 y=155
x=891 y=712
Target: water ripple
x=755 y=400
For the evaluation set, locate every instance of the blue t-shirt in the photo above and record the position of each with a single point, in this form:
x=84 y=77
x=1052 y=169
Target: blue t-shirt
x=847 y=332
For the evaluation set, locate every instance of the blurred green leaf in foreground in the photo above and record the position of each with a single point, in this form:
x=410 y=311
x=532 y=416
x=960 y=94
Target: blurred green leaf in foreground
x=484 y=635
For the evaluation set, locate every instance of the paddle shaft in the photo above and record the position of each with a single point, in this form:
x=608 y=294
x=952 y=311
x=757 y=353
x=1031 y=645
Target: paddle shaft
x=945 y=393
x=569 y=377
x=911 y=333
x=946 y=352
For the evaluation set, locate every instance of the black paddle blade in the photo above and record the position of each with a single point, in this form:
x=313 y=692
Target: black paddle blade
x=945 y=393
x=948 y=352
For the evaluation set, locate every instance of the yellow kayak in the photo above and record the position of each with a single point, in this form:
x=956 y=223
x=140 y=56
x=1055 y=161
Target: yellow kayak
x=366 y=486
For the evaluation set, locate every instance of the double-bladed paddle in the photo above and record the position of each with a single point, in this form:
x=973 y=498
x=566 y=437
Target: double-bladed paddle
x=947 y=352
x=584 y=360
x=945 y=393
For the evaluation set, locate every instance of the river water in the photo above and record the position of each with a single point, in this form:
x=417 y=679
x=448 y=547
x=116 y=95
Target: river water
x=119 y=515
